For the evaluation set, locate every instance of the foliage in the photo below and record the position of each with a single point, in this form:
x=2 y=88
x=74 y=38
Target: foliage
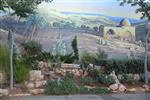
x=133 y=66
x=93 y=72
x=4 y=57
x=143 y=6
x=83 y=90
x=68 y=58
x=4 y=60
x=88 y=58
x=33 y=53
x=61 y=87
x=21 y=72
x=75 y=48
x=127 y=78
x=106 y=79
x=101 y=90
x=32 y=48
x=22 y=8
x=86 y=80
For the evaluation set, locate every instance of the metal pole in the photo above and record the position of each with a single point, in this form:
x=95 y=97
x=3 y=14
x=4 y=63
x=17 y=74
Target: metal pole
x=146 y=56
x=11 y=64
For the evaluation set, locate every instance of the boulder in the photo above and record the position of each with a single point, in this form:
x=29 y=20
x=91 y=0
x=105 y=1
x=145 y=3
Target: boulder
x=36 y=91
x=4 y=92
x=122 y=88
x=136 y=77
x=146 y=87
x=114 y=87
x=29 y=85
x=36 y=75
x=40 y=83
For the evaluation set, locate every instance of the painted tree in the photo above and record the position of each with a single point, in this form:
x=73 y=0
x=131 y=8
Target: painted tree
x=23 y=9
x=75 y=48
x=143 y=7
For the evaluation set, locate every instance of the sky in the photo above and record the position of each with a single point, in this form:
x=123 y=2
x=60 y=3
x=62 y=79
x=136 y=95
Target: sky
x=107 y=7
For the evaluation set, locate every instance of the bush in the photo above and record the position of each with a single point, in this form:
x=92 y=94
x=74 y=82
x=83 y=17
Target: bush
x=33 y=52
x=86 y=81
x=21 y=72
x=124 y=66
x=62 y=87
x=106 y=79
x=127 y=78
x=83 y=90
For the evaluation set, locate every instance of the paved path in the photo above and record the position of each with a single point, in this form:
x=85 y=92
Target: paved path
x=144 y=96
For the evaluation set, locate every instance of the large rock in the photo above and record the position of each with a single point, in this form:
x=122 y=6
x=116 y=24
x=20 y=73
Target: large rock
x=36 y=91
x=40 y=83
x=146 y=87
x=114 y=87
x=136 y=77
x=122 y=88
x=29 y=85
x=36 y=75
x=4 y=92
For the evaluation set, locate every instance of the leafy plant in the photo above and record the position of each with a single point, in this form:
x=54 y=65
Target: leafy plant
x=21 y=72
x=86 y=80
x=61 y=87
x=106 y=79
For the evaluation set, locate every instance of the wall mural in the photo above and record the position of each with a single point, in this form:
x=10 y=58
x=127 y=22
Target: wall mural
x=98 y=24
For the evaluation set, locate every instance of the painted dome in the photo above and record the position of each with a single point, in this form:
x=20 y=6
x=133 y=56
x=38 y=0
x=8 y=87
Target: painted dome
x=125 y=22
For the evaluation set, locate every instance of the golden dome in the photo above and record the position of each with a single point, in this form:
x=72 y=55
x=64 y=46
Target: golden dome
x=125 y=22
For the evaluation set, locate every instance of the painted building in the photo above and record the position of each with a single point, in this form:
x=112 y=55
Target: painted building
x=124 y=31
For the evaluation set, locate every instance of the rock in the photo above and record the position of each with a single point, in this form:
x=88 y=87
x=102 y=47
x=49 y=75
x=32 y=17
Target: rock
x=122 y=88
x=131 y=90
x=114 y=87
x=4 y=92
x=146 y=87
x=136 y=77
x=115 y=77
x=36 y=75
x=29 y=85
x=36 y=91
x=40 y=83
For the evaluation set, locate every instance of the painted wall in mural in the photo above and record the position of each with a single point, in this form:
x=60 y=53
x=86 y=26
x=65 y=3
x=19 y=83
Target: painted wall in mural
x=98 y=24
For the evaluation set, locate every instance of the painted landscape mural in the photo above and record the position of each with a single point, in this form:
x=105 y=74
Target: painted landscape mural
x=98 y=24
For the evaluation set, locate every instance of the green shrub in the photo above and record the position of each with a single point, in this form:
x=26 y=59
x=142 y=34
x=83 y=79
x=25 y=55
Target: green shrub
x=101 y=90
x=124 y=66
x=21 y=72
x=93 y=73
x=127 y=78
x=62 y=87
x=106 y=79
x=32 y=48
x=87 y=58
x=33 y=53
x=86 y=80
x=83 y=90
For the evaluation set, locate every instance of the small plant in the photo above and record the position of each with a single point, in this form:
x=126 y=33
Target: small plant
x=21 y=72
x=86 y=81
x=83 y=90
x=106 y=79
x=127 y=78
x=61 y=87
